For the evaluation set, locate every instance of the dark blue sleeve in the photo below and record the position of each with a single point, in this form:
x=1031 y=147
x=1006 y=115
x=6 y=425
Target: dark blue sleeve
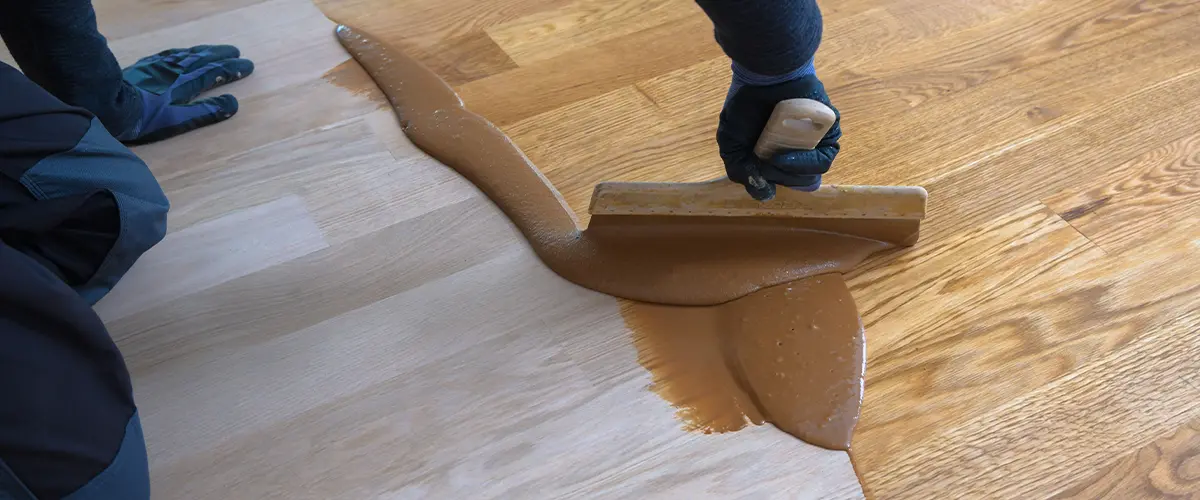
x=768 y=37
x=71 y=196
x=58 y=46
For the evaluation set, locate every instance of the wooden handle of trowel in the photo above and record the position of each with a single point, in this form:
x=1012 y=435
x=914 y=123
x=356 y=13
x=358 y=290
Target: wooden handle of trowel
x=794 y=124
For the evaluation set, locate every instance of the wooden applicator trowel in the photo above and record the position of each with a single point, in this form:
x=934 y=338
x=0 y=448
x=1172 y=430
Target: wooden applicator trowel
x=643 y=242
x=794 y=124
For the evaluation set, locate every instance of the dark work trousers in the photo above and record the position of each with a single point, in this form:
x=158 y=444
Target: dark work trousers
x=77 y=209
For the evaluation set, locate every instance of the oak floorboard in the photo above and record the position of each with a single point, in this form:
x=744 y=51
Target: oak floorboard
x=1013 y=108
x=1165 y=468
x=307 y=290
x=431 y=27
x=941 y=65
x=549 y=33
x=590 y=71
x=1059 y=321
x=1062 y=319
x=114 y=15
x=1130 y=206
x=205 y=255
x=1123 y=400
x=501 y=403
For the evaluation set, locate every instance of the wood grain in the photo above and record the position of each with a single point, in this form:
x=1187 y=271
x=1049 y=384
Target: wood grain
x=1052 y=95
x=116 y=19
x=431 y=21
x=1167 y=468
x=344 y=172
x=1066 y=316
x=211 y=253
x=1140 y=388
x=590 y=71
x=505 y=383
x=554 y=32
x=306 y=291
x=1129 y=206
x=639 y=132
x=335 y=315
x=942 y=65
x=1046 y=162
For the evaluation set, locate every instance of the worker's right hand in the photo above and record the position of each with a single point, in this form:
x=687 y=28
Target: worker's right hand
x=747 y=109
x=167 y=83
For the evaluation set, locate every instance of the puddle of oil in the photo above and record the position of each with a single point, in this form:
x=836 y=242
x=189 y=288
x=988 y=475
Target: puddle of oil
x=791 y=355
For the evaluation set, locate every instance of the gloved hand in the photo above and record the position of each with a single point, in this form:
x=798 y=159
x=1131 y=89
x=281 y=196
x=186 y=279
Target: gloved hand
x=169 y=80
x=746 y=112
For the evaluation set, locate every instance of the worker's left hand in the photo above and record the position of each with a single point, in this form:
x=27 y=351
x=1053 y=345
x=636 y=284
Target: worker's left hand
x=167 y=83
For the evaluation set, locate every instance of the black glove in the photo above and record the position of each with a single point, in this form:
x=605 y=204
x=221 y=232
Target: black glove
x=746 y=113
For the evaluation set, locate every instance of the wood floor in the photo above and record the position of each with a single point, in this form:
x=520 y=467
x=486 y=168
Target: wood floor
x=336 y=315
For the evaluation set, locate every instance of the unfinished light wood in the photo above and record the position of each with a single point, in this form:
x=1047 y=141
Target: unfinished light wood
x=213 y=252
x=724 y=198
x=403 y=408
x=1025 y=348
